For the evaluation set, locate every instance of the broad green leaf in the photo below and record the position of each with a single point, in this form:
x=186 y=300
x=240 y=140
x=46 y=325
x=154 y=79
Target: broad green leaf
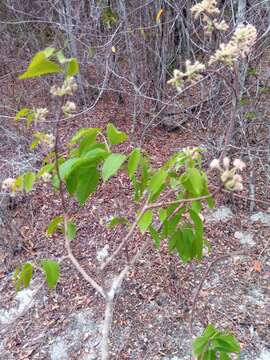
x=23 y=276
x=155 y=236
x=111 y=165
x=193 y=181
x=66 y=168
x=48 y=52
x=118 y=220
x=115 y=136
x=198 y=239
x=145 y=221
x=83 y=132
x=87 y=181
x=162 y=214
x=40 y=66
x=71 y=231
x=22 y=113
x=72 y=67
x=209 y=355
x=157 y=181
x=48 y=168
x=28 y=181
x=133 y=162
x=226 y=343
x=200 y=345
x=52 y=272
x=183 y=244
x=224 y=356
x=54 y=223
x=210 y=331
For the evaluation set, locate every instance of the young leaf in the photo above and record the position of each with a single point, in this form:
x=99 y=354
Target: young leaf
x=157 y=181
x=115 y=136
x=28 y=181
x=111 y=165
x=73 y=67
x=226 y=343
x=145 y=221
x=193 y=181
x=133 y=162
x=118 y=220
x=155 y=236
x=224 y=356
x=71 y=231
x=22 y=113
x=83 y=132
x=52 y=272
x=40 y=66
x=54 y=223
x=24 y=276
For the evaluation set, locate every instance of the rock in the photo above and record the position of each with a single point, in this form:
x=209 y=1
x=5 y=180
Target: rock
x=264 y=355
x=220 y=214
x=264 y=218
x=245 y=238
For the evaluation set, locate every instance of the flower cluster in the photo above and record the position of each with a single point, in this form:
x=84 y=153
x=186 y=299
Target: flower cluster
x=192 y=75
x=205 y=6
x=239 y=46
x=39 y=114
x=69 y=107
x=46 y=177
x=229 y=177
x=49 y=140
x=208 y=9
x=68 y=88
x=191 y=152
x=8 y=185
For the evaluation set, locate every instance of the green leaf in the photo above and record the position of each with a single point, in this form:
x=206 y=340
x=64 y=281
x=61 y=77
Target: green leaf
x=73 y=67
x=224 y=356
x=22 y=113
x=198 y=239
x=71 y=231
x=210 y=331
x=145 y=221
x=183 y=243
x=133 y=162
x=40 y=66
x=118 y=220
x=115 y=136
x=87 y=181
x=54 y=223
x=157 y=181
x=111 y=165
x=193 y=181
x=83 y=132
x=209 y=355
x=52 y=272
x=226 y=343
x=155 y=236
x=23 y=276
x=162 y=214
x=200 y=345
x=29 y=179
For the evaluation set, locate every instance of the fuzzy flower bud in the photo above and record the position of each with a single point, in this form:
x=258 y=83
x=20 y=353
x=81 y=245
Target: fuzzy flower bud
x=46 y=177
x=239 y=164
x=215 y=164
x=8 y=185
x=192 y=75
x=68 y=88
x=205 y=6
x=226 y=163
x=39 y=114
x=69 y=107
x=49 y=140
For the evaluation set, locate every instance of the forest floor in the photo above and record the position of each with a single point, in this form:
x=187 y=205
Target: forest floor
x=152 y=311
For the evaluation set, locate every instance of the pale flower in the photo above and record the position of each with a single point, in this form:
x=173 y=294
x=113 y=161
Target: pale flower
x=226 y=163
x=69 y=107
x=239 y=164
x=192 y=74
x=205 y=6
x=215 y=164
x=68 y=88
x=49 y=140
x=221 y=26
x=8 y=185
x=240 y=45
x=46 y=177
x=39 y=114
